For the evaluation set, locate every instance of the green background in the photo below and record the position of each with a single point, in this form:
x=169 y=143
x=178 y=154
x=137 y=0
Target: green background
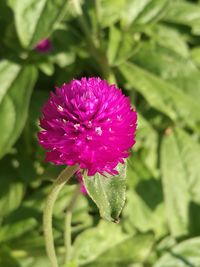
x=150 y=49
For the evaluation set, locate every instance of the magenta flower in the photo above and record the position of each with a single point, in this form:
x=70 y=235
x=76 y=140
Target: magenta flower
x=44 y=46
x=90 y=123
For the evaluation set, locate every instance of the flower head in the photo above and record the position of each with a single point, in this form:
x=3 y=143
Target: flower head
x=44 y=46
x=90 y=123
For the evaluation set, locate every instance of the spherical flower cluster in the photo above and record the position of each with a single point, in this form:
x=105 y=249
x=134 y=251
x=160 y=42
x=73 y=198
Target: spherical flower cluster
x=90 y=123
x=44 y=46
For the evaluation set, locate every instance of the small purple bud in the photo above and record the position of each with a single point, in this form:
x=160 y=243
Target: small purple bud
x=44 y=46
x=79 y=176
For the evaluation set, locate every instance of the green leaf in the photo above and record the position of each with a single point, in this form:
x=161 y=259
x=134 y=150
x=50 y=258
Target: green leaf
x=108 y=192
x=132 y=249
x=180 y=159
x=65 y=42
x=132 y=9
x=8 y=73
x=143 y=11
x=11 y=196
x=16 y=229
x=110 y=11
x=185 y=254
x=147 y=140
x=80 y=219
x=154 y=10
x=36 y=20
x=11 y=188
x=34 y=261
x=195 y=53
x=70 y=264
x=16 y=87
x=113 y=45
x=162 y=95
x=175 y=182
x=145 y=195
x=182 y=12
x=6 y=259
x=121 y=46
x=145 y=218
x=170 y=66
x=189 y=156
x=93 y=242
x=106 y=244
x=46 y=67
x=166 y=36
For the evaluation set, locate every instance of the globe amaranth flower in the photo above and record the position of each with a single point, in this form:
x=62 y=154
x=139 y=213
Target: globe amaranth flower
x=44 y=46
x=90 y=123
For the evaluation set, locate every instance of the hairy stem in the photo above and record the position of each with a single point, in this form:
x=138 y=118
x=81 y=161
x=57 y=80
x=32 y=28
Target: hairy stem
x=64 y=176
x=68 y=219
x=67 y=235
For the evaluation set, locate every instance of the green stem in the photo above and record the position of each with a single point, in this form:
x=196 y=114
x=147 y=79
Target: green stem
x=98 y=10
x=64 y=176
x=67 y=235
x=68 y=219
x=98 y=16
x=97 y=53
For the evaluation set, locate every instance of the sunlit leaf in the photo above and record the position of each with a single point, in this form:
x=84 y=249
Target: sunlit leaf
x=184 y=254
x=40 y=16
x=16 y=87
x=108 y=192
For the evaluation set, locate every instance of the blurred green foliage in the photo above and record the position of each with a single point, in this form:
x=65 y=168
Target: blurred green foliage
x=151 y=49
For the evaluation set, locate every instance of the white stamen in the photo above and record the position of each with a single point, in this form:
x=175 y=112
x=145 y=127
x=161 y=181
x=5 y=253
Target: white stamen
x=76 y=126
x=98 y=130
x=119 y=117
x=89 y=123
x=60 y=108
